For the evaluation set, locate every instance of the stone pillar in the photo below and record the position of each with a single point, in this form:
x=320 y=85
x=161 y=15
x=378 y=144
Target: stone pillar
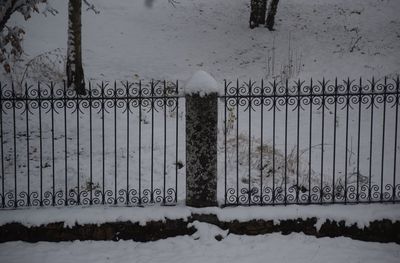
x=201 y=149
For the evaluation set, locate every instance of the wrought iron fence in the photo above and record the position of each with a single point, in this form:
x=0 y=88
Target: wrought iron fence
x=318 y=142
x=118 y=144
x=311 y=143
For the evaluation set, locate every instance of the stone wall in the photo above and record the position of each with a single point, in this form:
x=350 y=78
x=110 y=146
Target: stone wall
x=378 y=231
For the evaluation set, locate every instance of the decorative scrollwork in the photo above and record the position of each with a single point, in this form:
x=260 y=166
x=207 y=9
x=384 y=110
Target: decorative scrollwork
x=316 y=195
x=351 y=193
x=255 y=197
x=147 y=196
x=363 y=194
x=244 y=196
x=340 y=193
x=109 y=197
x=170 y=196
x=269 y=103
x=292 y=193
x=397 y=192
x=24 y=199
x=375 y=192
x=391 y=100
x=326 y=193
x=256 y=102
x=267 y=197
x=157 y=196
x=47 y=198
x=10 y=200
x=133 y=197
x=388 y=193
x=59 y=198
x=231 y=197
x=84 y=197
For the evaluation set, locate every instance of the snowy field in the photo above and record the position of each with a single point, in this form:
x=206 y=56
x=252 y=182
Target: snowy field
x=129 y=41
x=203 y=247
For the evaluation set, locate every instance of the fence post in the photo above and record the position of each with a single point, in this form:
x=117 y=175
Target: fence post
x=201 y=140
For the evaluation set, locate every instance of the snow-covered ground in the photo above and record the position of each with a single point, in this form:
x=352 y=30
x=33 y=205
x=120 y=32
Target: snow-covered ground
x=203 y=247
x=361 y=215
x=127 y=40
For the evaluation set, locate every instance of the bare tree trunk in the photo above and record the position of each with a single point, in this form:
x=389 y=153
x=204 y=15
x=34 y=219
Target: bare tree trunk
x=263 y=11
x=273 y=6
x=75 y=76
x=257 y=12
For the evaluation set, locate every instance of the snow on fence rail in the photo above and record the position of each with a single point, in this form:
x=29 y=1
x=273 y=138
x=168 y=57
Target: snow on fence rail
x=123 y=143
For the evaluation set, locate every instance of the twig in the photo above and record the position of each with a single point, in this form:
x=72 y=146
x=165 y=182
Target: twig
x=355 y=44
x=91 y=7
x=173 y=2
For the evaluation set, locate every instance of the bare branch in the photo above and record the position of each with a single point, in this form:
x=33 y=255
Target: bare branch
x=11 y=37
x=91 y=7
x=49 y=9
x=173 y=2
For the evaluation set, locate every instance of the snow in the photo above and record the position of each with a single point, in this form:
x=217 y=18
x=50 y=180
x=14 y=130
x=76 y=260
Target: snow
x=361 y=215
x=203 y=247
x=203 y=84
x=128 y=40
x=205 y=231
x=92 y=215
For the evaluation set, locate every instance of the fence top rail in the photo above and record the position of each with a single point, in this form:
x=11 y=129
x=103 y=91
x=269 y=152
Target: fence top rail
x=336 y=88
x=156 y=90
x=302 y=95
x=93 y=91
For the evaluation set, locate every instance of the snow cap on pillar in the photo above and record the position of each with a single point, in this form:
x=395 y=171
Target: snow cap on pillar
x=201 y=83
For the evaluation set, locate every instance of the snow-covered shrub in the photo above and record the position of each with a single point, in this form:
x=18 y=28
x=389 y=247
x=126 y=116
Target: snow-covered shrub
x=48 y=66
x=276 y=170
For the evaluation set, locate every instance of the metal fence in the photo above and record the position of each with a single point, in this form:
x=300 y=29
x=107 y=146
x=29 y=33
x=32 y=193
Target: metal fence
x=312 y=142
x=118 y=144
x=123 y=143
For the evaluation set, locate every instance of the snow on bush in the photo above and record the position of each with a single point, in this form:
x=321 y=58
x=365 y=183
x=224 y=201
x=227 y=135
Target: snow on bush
x=276 y=170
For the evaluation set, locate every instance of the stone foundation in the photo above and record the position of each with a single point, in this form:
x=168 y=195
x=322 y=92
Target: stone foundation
x=378 y=231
